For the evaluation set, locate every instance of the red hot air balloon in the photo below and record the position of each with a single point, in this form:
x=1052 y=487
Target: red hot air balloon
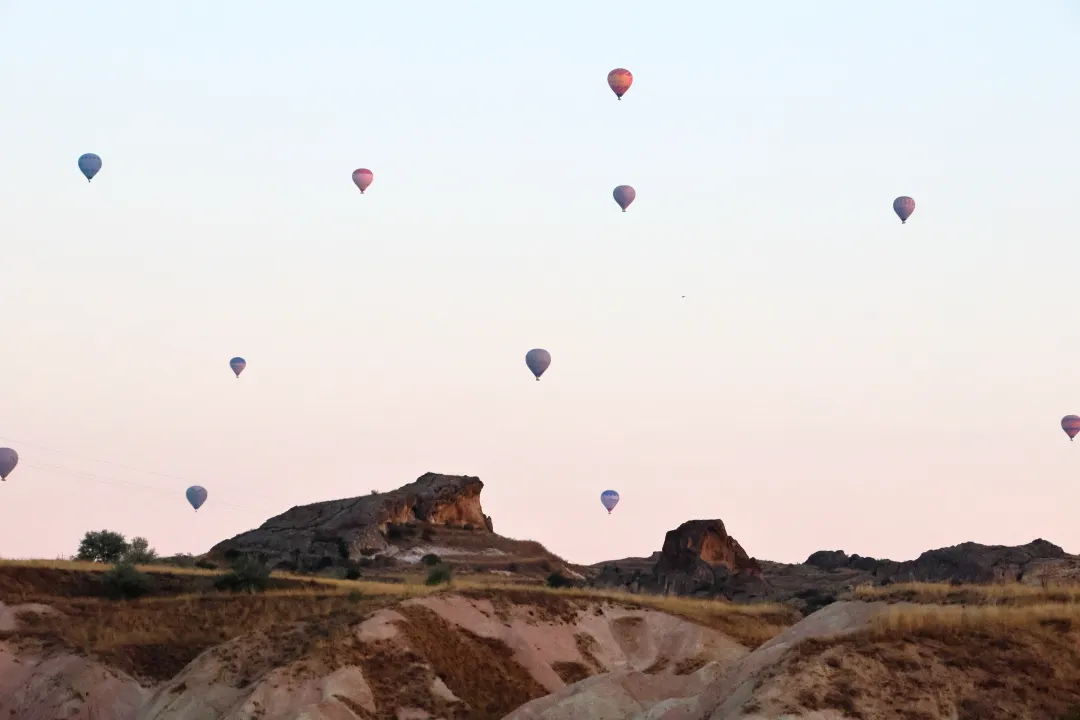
x=624 y=195
x=903 y=206
x=619 y=80
x=1071 y=425
x=362 y=177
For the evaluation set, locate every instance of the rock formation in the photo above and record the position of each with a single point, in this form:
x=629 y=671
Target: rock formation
x=700 y=558
x=304 y=536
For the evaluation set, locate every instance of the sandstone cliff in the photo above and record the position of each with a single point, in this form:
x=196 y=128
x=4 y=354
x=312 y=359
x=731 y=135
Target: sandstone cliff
x=308 y=536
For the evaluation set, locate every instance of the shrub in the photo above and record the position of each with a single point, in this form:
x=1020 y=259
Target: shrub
x=558 y=580
x=352 y=573
x=354 y=596
x=139 y=552
x=374 y=492
x=248 y=575
x=439 y=574
x=206 y=564
x=124 y=581
x=184 y=560
x=395 y=532
x=431 y=559
x=103 y=546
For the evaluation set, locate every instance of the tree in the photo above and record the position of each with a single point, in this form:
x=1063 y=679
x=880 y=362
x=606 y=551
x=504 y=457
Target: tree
x=103 y=546
x=140 y=553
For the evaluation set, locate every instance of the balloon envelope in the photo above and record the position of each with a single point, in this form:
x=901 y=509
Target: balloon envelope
x=89 y=165
x=196 y=495
x=238 y=364
x=619 y=80
x=624 y=195
x=538 y=361
x=362 y=177
x=8 y=460
x=903 y=206
x=610 y=499
x=1071 y=425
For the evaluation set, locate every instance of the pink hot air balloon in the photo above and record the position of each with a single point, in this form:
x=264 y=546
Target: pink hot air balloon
x=624 y=195
x=1071 y=425
x=362 y=177
x=619 y=80
x=903 y=206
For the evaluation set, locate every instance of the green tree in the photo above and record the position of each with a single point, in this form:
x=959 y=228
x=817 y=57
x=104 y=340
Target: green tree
x=140 y=553
x=103 y=546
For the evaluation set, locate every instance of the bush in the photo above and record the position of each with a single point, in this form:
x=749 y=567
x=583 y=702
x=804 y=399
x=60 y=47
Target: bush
x=184 y=560
x=439 y=574
x=248 y=575
x=103 y=546
x=124 y=581
x=206 y=564
x=352 y=573
x=139 y=552
x=354 y=596
x=558 y=580
x=431 y=559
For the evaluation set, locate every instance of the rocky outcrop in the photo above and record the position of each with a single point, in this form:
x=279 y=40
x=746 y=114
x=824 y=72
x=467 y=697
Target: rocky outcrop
x=964 y=563
x=700 y=558
x=308 y=535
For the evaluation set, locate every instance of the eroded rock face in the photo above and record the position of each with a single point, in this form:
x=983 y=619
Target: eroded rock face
x=699 y=557
x=358 y=526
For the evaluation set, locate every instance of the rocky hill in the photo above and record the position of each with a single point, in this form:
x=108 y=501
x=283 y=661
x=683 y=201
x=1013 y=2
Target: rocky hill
x=700 y=558
x=436 y=515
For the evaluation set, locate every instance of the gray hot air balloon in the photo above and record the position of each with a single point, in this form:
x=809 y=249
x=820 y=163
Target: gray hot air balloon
x=196 y=495
x=538 y=361
x=624 y=195
x=89 y=165
x=8 y=460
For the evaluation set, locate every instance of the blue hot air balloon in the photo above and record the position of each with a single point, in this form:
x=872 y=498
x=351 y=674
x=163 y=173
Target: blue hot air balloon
x=89 y=165
x=8 y=460
x=609 y=499
x=196 y=495
x=538 y=361
x=238 y=364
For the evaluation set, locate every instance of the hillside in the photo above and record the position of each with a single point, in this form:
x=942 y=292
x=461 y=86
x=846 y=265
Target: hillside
x=339 y=650
x=348 y=627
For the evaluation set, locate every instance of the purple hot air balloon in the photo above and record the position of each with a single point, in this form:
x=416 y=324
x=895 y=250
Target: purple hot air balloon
x=624 y=195
x=8 y=460
x=610 y=499
x=362 y=177
x=538 y=361
x=238 y=364
x=903 y=206
x=196 y=495
x=1071 y=425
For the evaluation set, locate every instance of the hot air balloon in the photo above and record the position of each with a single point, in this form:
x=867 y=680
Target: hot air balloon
x=362 y=177
x=8 y=460
x=196 y=495
x=538 y=361
x=609 y=498
x=89 y=165
x=238 y=364
x=903 y=206
x=624 y=195
x=1070 y=424
x=619 y=80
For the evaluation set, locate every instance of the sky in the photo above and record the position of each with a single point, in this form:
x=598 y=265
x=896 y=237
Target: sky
x=832 y=380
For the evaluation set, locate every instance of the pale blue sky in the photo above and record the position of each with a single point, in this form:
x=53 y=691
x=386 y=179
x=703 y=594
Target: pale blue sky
x=832 y=380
